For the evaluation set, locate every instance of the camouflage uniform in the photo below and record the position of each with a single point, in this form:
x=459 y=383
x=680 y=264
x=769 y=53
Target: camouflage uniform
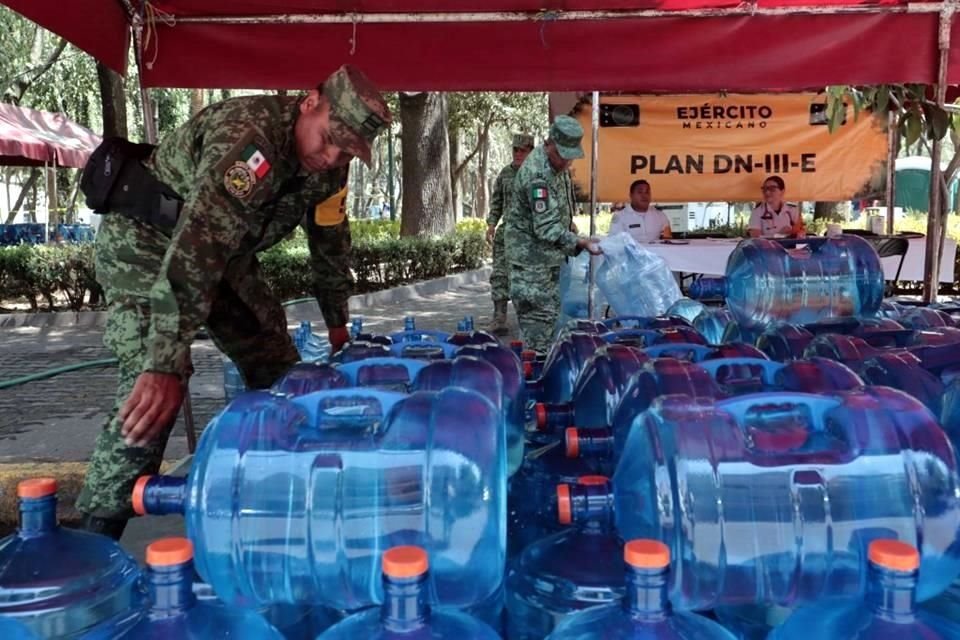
x=236 y=168
x=538 y=235
x=499 y=204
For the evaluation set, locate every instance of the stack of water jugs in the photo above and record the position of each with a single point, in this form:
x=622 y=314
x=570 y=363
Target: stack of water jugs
x=780 y=467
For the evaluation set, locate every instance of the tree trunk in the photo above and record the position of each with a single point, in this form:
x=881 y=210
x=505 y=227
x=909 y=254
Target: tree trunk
x=454 y=136
x=480 y=199
x=113 y=102
x=825 y=211
x=427 y=187
x=21 y=83
x=196 y=101
x=24 y=192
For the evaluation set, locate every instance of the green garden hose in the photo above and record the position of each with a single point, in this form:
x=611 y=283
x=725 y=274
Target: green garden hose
x=49 y=373
x=106 y=362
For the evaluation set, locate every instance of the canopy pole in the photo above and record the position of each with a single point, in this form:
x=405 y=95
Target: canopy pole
x=893 y=149
x=931 y=262
x=136 y=25
x=594 y=165
x=393 y=198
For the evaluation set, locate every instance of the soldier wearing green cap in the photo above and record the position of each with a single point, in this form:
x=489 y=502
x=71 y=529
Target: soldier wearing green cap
x=234 y=180
x=539 y=231
x=499 y=203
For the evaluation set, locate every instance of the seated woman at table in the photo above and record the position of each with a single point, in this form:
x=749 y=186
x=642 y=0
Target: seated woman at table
x=645 y=222
x=773 y=217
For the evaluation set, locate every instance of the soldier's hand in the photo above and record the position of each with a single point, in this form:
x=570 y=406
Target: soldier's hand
x=338 y=337
x=491 y=231
x=151 y=407
x=591 y=245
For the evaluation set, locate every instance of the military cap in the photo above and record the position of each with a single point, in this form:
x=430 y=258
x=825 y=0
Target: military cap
x=357 y=111
x=566 y=133
x=523 y=141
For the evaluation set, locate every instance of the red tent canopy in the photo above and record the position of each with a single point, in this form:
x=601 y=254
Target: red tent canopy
x=34 y=138
x=558 y=45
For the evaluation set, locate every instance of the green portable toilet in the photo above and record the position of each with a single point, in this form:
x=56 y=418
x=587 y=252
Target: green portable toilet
x=913 y=185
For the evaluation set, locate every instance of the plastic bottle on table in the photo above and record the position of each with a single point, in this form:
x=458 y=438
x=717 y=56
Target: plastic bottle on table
x=63 y=583
x=577 y=568
x=634 y=280
x=887 y=610
x=313 y=489
x=798 y=281
x=852 y=466
x=406 y=611
x=173 y=611
x=645 y=612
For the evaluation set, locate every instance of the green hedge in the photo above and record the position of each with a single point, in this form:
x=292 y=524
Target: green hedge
x=55 y=276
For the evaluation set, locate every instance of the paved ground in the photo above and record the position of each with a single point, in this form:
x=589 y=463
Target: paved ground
x=49 y=426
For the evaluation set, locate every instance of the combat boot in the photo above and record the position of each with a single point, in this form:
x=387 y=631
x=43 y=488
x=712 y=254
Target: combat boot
x=498 y=326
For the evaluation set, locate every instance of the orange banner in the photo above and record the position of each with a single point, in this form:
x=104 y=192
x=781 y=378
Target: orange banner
x=696 y=148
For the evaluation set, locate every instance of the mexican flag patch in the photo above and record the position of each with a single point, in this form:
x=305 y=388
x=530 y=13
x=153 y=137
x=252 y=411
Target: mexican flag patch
x=255 y=159
x=539 y=192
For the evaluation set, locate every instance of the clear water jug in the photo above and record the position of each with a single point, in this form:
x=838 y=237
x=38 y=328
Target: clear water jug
x=597 y=391
x=307 y=377
x=686 y=308
x=387 y=374
x=62 y=583
x=798 y=281
x=645 y=612
x=406 y=610
x=174 y=611
x=635 y=281
x=507 y=362
x=310 y=346
x=577 y=568
x=887 y=610
x=749 y=471
x=713 y=322
x=294 y=500
x=566 y=359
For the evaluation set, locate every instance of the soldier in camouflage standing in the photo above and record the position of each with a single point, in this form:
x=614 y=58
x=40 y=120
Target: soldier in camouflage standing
x=242 y=175
x=540 y=234
x=499 y=203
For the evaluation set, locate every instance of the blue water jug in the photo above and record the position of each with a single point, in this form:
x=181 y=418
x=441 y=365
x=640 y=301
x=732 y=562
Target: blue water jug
x=851 y=467
x=713 y=322
x=410 y=333
x=61 y=583
x=597 y=391
x=658 y=377
x=644 y=338
x=514 y=395
x=531 y=500
x=701 y=352
x=233 y=383
x=406 y=610
x=634 y=280
x=10 y=629
x=645 y=612
x=310 y=346
x=686 y=308
x=467 y=334
x=572 y=570
x=173 y=611
x=423 y=349
x=294 y=500
x=388 y=374
x=566 y=359
x=926 y=318
x=798 y=281
x=886 y=611
x=891 y=309
x=359 y=350
x=294 y=622
x=640 y=322
x=307 y=377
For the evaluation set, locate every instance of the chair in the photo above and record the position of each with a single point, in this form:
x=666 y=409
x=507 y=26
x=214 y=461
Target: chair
x=892 y=247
